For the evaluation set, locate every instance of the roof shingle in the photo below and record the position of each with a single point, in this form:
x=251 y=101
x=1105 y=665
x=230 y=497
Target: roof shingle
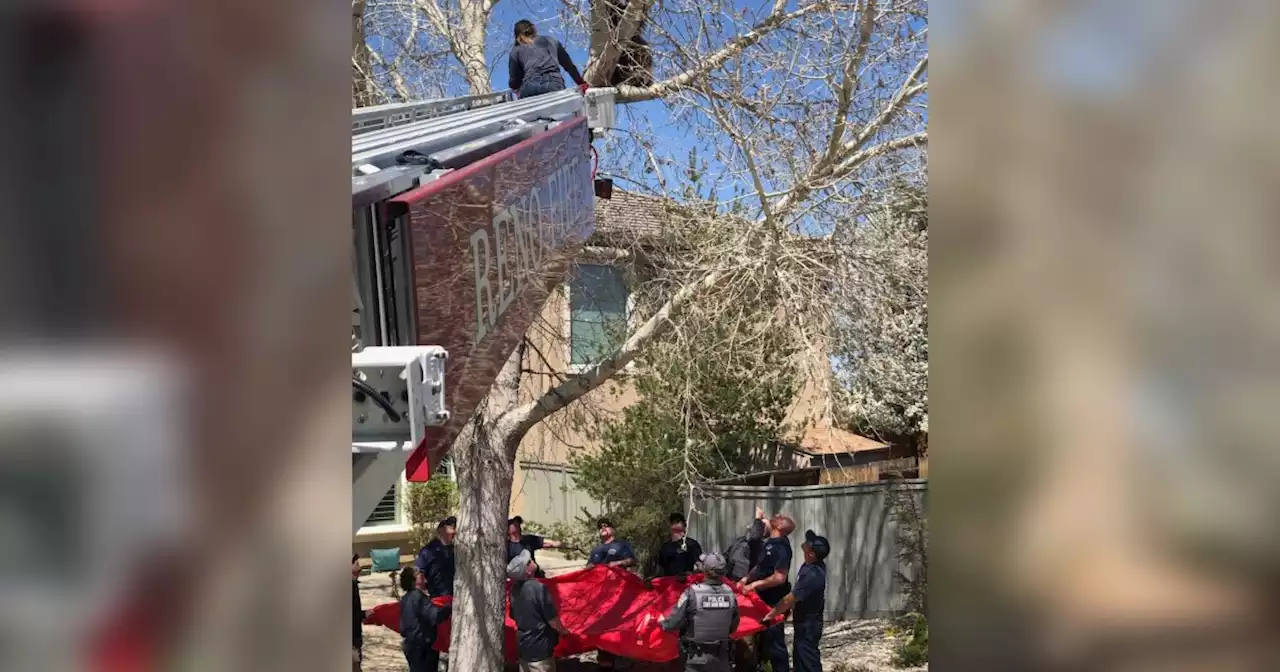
x=630 y=215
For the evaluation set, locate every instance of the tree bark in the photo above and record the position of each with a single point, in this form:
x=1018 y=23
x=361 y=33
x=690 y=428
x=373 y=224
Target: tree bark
x=485 y=471
x=484 y=456
x=607 y=42
x=475 y=20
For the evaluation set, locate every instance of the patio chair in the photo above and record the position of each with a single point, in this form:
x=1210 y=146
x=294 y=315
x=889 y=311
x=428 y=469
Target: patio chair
x=387 y=560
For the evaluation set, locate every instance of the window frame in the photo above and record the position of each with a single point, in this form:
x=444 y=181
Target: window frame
x=628 y=281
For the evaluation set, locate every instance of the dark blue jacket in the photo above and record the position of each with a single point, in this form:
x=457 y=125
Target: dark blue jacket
x=437 y=561
x=538 y=62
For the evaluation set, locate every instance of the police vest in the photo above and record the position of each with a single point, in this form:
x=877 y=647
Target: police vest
x=711 y=611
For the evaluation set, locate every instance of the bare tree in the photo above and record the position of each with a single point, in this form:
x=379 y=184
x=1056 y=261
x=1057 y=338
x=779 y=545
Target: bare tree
x=808 y=112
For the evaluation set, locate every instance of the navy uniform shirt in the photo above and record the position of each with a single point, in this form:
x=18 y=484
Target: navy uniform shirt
x=532 y=609
x=678 y=557
x=529 y=542
x=415 y=622
x=776 y=558
x=436 y=560
x=810 y=590
x=611 y=552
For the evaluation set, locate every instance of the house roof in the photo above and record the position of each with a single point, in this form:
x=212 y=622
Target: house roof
x=631 y=218
x=631 y=215
x=828 y=440
x=777 y=477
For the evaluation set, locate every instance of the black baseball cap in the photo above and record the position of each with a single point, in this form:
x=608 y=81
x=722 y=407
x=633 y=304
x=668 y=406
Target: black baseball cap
x=516 y=521
x=819 y=544
x=451 y=520
x=604 y=522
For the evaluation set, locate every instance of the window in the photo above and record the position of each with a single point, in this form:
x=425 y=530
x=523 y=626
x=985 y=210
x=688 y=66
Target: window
x=597 y=312
x=387 y=512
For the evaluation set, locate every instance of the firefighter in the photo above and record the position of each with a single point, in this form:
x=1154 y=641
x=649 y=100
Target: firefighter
x=418 y=621
x=742 y=556
x=679 y=554
x=436 y=560
x=538 y=626
x=808 y=599
x=769 y=581
x=706 y=617
x=535 y=61
x=611 y=551
x=518 y=541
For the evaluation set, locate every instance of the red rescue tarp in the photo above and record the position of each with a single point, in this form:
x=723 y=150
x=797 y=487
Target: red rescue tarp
x=608 y=609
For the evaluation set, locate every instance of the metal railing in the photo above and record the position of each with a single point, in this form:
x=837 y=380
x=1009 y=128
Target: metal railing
x=379 y=117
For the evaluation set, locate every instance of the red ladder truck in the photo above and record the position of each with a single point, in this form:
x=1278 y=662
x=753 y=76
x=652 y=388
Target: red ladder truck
x=465 y=214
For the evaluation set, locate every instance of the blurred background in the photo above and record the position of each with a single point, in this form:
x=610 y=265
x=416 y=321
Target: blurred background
x=173 y=313
x=1104 y=282
x=172 y=335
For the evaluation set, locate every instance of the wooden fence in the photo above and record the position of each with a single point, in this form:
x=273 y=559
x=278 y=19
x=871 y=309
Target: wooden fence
x=856 y=520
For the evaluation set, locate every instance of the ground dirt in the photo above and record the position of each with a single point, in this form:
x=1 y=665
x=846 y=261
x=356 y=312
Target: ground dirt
x=848 y=646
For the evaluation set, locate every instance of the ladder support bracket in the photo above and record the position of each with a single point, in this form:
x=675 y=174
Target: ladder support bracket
x=411 y=379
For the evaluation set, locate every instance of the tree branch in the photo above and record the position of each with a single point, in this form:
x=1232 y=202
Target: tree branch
x=851 y=79
x=397 y=80
x=905 y=93
x=634 y=94
x=438 y=20
x=849 y=156
x=858 y=158
x=602 y=64
x=748 y=155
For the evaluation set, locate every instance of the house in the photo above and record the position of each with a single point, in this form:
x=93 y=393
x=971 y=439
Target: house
x=572 y=332
x=822 y=454
x=845 y=457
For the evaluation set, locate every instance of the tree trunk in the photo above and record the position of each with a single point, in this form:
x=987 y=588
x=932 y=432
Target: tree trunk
x=485 y=467
x=484 y=457
x=607 y=41
x=475 y=21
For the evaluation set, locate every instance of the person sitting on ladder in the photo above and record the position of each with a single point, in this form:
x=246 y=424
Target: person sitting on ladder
x=535 y=63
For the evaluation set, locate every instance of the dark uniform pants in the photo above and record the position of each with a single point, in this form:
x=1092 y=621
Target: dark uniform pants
x=773 y=647
x=744 y=653
x=702 y=662
x=805 y=645
x=422 y=657
x=707 y=657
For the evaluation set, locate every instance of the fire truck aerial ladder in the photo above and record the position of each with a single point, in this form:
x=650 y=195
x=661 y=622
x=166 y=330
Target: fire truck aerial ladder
x=465 y=213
